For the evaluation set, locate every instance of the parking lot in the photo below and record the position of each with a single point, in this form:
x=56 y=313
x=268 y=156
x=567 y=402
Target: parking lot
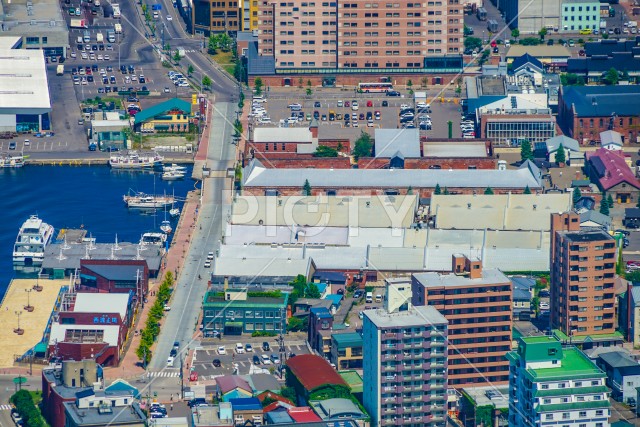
x=333 y=100
x=205 y=355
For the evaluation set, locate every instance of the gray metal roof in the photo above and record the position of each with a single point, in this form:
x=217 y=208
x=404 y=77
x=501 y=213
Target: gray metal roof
x=602 y=101
x=71 y=257
x=568 y=143
x=256 y=175
x=131 y=415
x=619 y=359
x=610 y=137
x=597 y=217
x=489 y=277
x=390 y=141
x=115 y=272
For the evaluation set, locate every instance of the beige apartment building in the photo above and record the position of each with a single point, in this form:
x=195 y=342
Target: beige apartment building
x=360 y=35
x=582 y=278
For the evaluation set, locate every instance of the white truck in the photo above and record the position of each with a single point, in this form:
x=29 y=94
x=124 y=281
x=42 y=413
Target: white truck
x=100 y=38
x=79 y=23
x=118 y=28
x=116 y=10
x=603 y=24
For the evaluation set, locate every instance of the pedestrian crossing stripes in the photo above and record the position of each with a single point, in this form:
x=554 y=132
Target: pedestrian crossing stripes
x=164 y=374
x=5 y=407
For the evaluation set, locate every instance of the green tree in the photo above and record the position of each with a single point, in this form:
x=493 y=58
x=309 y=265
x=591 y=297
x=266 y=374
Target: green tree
x=515 y=33
x=308 y=83
x=225 y=42
x=550 y=42
x=257 y=84
x=561 y=156
x=190 y=69
x=206 y=81
x=488 y=191
x=446 y=191
x=177 y=57
x=306 y=188
x=212 y=44
x=237 y=125
x=299 y=285
x=312 y=291
x=610 y=200
x=472 y=43
x=167 y=48
x=424 y=81
x=409 y=84
x=571 y=79
x=542 y=33
x=527 y=190
x=295 y=324
x=362 y=146
x=577 y=194
x=530 y=41
x=309 y=91
x=634 y=276
x=325 y=151
x=604 y=207
x=526 y=153
x=611 y=77
x=437 y=190
x=289 y=393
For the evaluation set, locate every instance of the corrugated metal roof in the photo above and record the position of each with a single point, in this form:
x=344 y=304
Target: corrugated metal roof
x=602 y=101
x=388 y=142
x=163 y=107
x=314 y=371
x=102 y=303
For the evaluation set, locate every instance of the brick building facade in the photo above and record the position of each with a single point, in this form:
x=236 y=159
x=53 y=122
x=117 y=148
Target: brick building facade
x=114 y=276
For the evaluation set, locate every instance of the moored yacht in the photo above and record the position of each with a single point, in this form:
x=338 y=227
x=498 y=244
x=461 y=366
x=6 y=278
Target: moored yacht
x=33 y=238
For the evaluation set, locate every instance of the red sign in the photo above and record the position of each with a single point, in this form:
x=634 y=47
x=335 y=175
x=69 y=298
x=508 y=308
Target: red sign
x=193 y=376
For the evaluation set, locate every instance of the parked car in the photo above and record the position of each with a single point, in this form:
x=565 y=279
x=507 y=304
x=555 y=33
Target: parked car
x=248 y=348
x=239 y=348
x=222 y=350
x=216 y=363
x=275 y=359
x=393 y=93
x=256 y=360
x=265 y=346
x=265 y=359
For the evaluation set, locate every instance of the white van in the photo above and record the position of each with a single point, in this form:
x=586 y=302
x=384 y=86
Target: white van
x=378 y=298
x=369 y=298
x=259 y=98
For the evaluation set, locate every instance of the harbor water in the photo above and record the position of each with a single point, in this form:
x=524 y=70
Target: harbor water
x=79 y=196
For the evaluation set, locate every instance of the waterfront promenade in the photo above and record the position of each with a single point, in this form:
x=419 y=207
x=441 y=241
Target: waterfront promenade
x=33 y=323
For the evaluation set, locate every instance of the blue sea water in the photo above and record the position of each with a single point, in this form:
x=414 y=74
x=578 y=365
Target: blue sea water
x=75 y=196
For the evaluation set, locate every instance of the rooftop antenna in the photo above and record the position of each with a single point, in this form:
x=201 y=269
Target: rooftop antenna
x=116 y=247
x=65 y=245
x=61 y=257
x=87 y=255
x=112 y=256
x=91 y=245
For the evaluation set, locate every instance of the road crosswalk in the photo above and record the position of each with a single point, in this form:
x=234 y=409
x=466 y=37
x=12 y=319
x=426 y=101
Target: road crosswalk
x=5 y=407
x=163 y=374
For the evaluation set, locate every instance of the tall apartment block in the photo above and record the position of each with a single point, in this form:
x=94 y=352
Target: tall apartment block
x=582 y=278
x=477 y=303
x=404 y=365
x=362 y=35
x=555 y=386
x=209 y=16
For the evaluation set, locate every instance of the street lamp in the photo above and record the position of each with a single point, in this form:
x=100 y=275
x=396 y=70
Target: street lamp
x=28 y=307
x=18 y=330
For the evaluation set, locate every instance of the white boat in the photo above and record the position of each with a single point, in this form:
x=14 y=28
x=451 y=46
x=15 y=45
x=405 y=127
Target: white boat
x=146 y=201
x=156 y=239
x=165 y=226
x=174 y=168
x=9 y=161
x=33 y=238
x=172 y=175
x=133 y=160
x=174 y=212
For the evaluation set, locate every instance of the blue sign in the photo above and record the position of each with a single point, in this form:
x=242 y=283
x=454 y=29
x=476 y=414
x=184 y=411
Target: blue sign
x=156 y=7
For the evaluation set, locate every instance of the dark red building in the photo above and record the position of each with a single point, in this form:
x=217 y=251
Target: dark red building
x=114 y=276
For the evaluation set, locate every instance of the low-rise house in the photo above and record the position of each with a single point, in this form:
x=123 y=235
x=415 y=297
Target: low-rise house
x=611 y=140
x=522 y=287
x=571 y=149
x=337 y=408
x=346 y=350
x=595 y=219
x=623 y=374
x=220 y=415
x=631 y=217
x=173 y=115
x=314 y=379
x=320 y=321
x=247 y=411
x=232 y=387
x=610 y=171
x=261 y=383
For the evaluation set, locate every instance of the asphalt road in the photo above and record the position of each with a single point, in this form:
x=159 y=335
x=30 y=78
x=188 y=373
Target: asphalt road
x=181 y=321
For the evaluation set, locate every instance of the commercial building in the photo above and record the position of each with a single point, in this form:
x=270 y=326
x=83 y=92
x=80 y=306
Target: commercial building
x=25 y=105
x=100 y=408
x=576 y=15
x=497 y=211
x=602 y=55
x=38 y=24
x=623 y=374
x=346 y=350
x=585 y=111
x=549 y=383
x=92 y=326
x=108 y=134
x=405 y=367
x=609 y=170
x=582 y=278
x=554 y=57
x=214 y=17
x=530 y=16
x=359 y=37
x=477 y=303
x=115 y=276
x=487 y=405
x=173 y=115
x=512 y=126
x=259 y=181
x=234 y=312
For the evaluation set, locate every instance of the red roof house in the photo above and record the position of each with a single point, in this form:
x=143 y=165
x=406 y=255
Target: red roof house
x=303 y=414
x=610 y=171
x=314 y=378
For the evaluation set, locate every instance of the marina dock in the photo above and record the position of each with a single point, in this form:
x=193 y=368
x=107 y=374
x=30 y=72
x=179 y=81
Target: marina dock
x=33 y=323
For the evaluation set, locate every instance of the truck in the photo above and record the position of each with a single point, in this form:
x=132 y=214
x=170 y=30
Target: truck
x=111 y=36
x=482 y=14
x=100 y=38
x=492 y=26
x=87 y=36
x=116 y=10
x=632 y=24
x=79 y=23
x=60 y=70
x=118 y=28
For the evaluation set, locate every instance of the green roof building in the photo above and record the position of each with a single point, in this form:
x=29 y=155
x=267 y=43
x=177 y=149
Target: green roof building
x=554 y=385
x=236 y=311
x=346 y=350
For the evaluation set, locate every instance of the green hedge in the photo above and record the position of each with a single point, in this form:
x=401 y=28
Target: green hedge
x=152 y=327
x=27 y=409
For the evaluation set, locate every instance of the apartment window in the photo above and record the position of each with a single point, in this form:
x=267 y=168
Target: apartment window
x=582 y=414
x=548 y=417
x=33 y=40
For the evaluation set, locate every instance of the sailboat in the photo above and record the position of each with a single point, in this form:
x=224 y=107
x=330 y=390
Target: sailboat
x=165 y=226
x=174 y=212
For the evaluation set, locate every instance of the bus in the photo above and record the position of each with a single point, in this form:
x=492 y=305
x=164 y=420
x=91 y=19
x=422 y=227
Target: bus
x=375 y=87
